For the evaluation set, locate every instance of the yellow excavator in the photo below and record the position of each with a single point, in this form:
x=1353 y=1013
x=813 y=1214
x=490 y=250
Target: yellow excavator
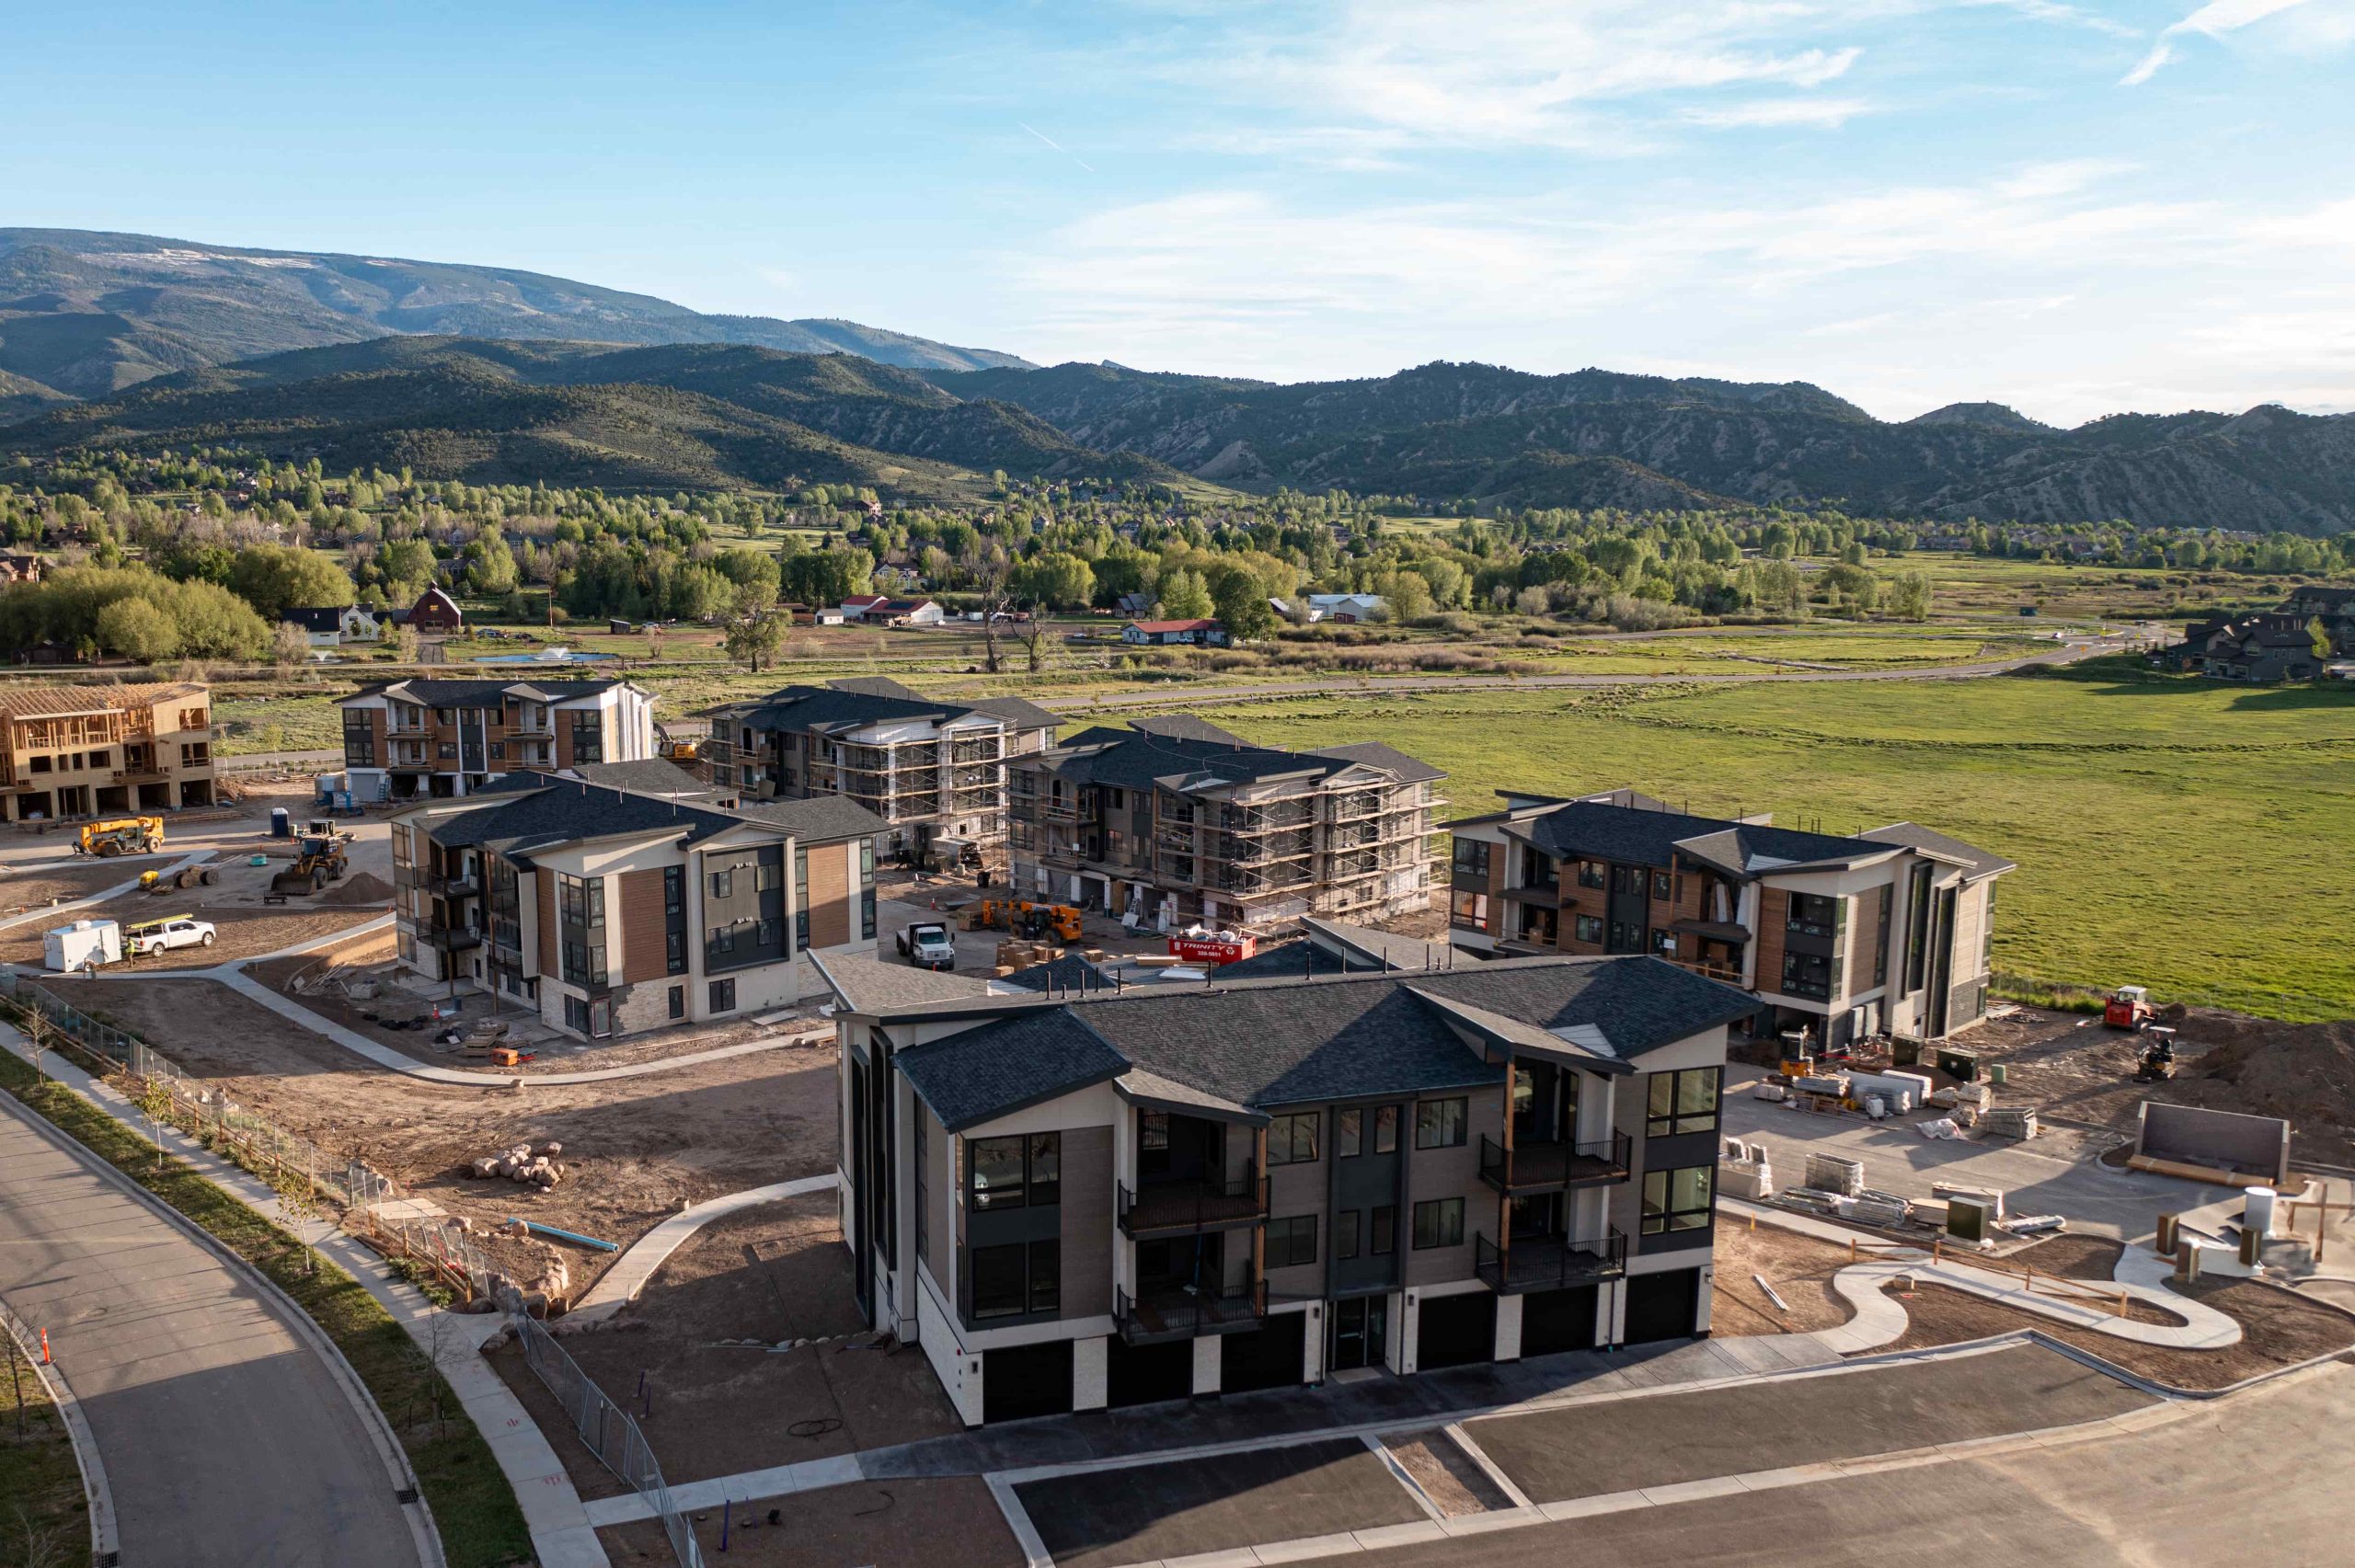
x=123 y=835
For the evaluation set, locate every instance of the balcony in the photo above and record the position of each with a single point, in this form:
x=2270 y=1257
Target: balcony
x=1543 y=1166
x=1168 y=1208
x=455 y=938
x=1548 y=1263
x=1185 y=1313
x=454 y=885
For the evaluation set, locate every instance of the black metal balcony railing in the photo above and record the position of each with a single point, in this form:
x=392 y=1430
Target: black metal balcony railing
x=1548 y=1263
x=1160 y=1208
x=456 y=938
x=1549 y=1165
x=454 y=884
x=1182 y=1312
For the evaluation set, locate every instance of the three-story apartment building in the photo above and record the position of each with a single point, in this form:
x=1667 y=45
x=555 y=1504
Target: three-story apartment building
x=1887 y=932
x=1108 y=1195
x=104 y=750
x=1174 y=820
x=610 y=910
x=934 y=772
x=414 y=739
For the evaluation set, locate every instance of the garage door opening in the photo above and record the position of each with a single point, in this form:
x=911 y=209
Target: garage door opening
x=1556 y=1320
x=1662 y=1306
x=1025 y=1380
x=1456 y=1331
x=1147 y=1374
x=1269 y=1357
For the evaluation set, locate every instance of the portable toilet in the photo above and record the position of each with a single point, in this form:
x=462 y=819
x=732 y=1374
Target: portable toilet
x=71 y=947
x=281 y=826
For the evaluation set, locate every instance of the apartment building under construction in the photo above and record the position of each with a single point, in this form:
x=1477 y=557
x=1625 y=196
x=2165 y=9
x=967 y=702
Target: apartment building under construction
x=1176 y=821
x=73 y=752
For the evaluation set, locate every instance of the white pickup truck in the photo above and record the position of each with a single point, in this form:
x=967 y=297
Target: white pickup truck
x=161 y=937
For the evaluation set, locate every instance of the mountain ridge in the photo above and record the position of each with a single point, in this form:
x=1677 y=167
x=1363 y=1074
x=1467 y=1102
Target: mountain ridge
x=87 y=312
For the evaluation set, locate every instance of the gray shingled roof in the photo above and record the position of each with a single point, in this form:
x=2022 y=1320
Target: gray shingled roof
x=818 y=820
x=1185 y=726
x=1067 y=971
x=1638 y=1003
x=484 y=693
x=872 y=698
x=1131 y=759
x=549 y=810
x=1590 y=829
x=1017 y=712
x=1004 y=1065
x=1982 y=863
x=871 y=985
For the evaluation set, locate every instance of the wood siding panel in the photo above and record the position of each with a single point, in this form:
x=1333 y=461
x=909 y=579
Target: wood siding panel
x=1773 y=917
x=831 y=873
x=545 y=883
x=639 y=894
x=1087 y=1222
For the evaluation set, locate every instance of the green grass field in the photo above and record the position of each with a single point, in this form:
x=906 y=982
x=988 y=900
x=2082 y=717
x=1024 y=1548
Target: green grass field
x=2187 y=836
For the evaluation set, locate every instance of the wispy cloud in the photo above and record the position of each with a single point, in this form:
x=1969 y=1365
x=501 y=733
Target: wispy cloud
x=1830 y=113
x=1058 y=146
x=2214 y=19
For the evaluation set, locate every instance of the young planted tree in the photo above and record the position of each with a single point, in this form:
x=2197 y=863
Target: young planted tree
x=156 y=1102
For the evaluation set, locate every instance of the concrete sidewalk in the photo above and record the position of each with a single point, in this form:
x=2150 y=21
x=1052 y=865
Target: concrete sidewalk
x=620 y=1285
x=561 y=1534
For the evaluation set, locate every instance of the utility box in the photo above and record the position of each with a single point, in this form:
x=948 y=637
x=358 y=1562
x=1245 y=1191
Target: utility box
x=1968 y=1220
x=1959 y=1064
x=76 y=946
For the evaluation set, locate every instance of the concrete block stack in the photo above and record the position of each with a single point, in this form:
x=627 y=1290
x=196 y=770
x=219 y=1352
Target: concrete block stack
x=1835 y=1173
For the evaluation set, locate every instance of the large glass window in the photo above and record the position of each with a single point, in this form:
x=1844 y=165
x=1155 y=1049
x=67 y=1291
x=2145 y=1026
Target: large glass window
x=1677 y=1200
x=1469 y=911
x=1815 y=914
x=1439 y=1124
x=1015 y=1172
x=1349 y=1138
x=1016 y=1280
x=1472 y=858
x=1291 y=1140
x=1438 y=1223
x=1681 y=1101
x=1291 y=1240
x=1808 y=975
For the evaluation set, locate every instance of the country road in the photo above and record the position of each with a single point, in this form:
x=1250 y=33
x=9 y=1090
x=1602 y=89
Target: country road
x=226 y=1440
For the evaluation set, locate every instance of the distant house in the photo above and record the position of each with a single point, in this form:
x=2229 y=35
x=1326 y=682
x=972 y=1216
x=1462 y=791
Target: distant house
x=1341 y=609
x=822 y=615
x=2260 y=650
x=855 y=607
x=332 y=626
x=20 y=568
x=877 y=610
x=1199 y=631
x=1135 y=606
x=434 y=610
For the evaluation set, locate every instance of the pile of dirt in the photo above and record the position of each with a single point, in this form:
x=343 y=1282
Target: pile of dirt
x=366 y=887
x=2303 y=1072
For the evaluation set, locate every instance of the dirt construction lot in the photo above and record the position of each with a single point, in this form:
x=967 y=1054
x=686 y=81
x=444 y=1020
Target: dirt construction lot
x=774 y=1274
x=950 y=1523
x=634 y=1148
x=245 y=927
x=35 y=887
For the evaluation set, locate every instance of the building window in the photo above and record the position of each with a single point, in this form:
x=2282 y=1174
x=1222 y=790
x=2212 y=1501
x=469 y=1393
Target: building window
x=581 y=924
x=1469 y=911
x=1806 y=974
x=723 y=884
x=1917 y=928
x=723 y=996
x=1386 y=1230
x=588 y=737
x=1682 y=1102
x=767 y=877
x=1348 y=1130
x=1017 y=1280
x=1817 y=914
x=1589 y=874
x=1439 y=1124
x=867 y=863
x=678 y=1002
x=499 y=750
x=447 y=750
x=1438 y=1223
x=723 y=940
x=1023 y=1172
x=1588 y=928
x=1663 y=885
x=867 y=915
x=1472 y=858
x=919 y=1138
x=1291 y=1240
x=1345 y=1235
x=1677 y=1200
x=1663 y=942
x=1291 y=1140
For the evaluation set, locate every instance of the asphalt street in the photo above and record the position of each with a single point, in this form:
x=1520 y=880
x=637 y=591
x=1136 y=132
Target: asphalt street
x=226 y=1440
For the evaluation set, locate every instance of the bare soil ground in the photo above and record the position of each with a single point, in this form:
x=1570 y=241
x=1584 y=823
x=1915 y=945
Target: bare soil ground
x=2067 y=1064
x=2279 y=1329
x=1799 y=1267
x=634 y=1148
x=1445 y=1473
x=775 y=1274
x=950 y=1522
x=21 y=892
x=244 y=926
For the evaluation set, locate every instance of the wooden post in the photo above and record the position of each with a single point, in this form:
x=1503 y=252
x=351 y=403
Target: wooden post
x=1937 y=1249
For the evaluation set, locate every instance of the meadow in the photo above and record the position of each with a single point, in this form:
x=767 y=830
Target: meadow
x=2191 y=837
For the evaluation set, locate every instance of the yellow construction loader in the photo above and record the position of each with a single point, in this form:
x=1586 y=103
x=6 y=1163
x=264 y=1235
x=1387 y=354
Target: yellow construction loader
x=123 y=835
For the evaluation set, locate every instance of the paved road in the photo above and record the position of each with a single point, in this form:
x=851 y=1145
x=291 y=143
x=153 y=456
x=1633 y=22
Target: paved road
x=226 y=1440
x=2099 y=1201
x=2182 y=1495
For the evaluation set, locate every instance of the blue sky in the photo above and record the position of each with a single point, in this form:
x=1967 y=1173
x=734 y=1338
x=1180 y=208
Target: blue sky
x=2074 y=207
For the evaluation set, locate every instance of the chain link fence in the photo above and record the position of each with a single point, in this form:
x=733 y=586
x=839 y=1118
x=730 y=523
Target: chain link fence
x=606 y=1427
x=368 y=1198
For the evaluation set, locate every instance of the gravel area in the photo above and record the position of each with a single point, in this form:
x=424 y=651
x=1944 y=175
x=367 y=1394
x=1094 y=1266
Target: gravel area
x=1445 y=1473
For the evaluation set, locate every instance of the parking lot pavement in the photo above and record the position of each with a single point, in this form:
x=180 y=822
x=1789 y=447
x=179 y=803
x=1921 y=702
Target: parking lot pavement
x=2100 y=1201
x=1587 y=1450
x=1143 y=1514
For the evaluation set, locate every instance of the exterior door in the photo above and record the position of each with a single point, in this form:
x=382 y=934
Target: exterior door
x=1361 y=1332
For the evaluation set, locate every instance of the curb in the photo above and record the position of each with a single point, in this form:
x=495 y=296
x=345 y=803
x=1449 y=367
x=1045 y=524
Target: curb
x=86 y=1457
